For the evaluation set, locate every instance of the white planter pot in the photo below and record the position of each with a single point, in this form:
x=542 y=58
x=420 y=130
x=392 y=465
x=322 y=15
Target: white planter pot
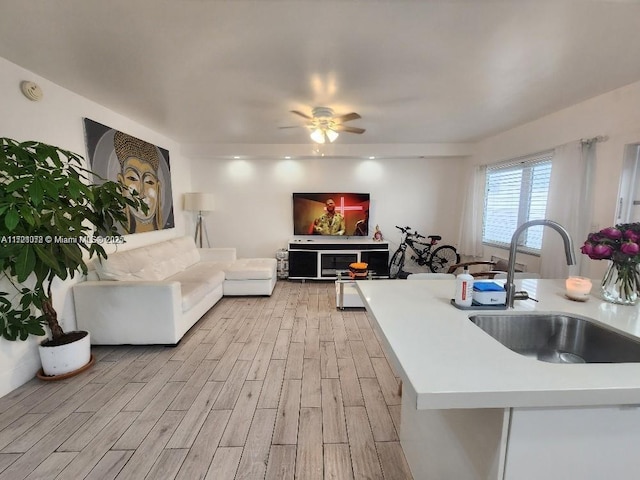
x=62 y=359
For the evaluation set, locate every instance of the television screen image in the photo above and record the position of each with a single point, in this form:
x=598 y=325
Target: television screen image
x=331 y=214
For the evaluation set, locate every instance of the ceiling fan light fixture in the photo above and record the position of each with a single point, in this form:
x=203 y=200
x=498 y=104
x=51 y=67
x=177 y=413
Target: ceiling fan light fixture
x=324 y=125
x=321 y=135
x=317 y=135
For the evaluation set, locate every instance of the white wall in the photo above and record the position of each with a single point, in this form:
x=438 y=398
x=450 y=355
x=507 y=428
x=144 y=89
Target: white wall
x=615 y=114
x=253 y=197
x=58 y=119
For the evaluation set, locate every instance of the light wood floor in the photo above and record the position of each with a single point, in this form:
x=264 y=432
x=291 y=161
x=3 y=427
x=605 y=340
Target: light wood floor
x=281 y=387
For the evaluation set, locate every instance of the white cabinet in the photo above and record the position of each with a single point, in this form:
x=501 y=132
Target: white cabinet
x=590 y=443
x=586 y=443
x=457 y=443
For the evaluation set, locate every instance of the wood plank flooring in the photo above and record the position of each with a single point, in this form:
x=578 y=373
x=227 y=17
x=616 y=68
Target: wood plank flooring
x=277 y=388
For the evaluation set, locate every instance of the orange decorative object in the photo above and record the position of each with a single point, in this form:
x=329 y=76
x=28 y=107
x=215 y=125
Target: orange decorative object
x=358 y=269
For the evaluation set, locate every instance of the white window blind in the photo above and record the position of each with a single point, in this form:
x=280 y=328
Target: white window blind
x=516 y=192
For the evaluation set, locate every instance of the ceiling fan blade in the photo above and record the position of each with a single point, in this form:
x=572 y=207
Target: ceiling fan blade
x=303 y=115
x=346 y=117
x=344 y=128
x=294 y=126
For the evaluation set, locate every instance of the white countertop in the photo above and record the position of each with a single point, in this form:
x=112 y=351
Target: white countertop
x=451 y=363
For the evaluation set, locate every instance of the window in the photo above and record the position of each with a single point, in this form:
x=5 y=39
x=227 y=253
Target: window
x=516 y=192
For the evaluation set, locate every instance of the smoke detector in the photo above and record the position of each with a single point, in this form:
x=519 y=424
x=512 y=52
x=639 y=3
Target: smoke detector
x=31 y=90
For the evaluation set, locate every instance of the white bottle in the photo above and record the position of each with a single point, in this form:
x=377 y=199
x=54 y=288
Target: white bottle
x=464 y=289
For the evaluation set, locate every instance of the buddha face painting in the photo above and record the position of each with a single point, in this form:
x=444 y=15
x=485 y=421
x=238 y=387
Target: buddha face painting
x=139 y=173
x=139 y=176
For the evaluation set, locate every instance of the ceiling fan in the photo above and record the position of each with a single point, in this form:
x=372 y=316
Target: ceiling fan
x=325 y=125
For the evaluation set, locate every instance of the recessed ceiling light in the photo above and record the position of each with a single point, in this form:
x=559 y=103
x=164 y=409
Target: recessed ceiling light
x=372 y=158
x=287 y=157
x=236 y=157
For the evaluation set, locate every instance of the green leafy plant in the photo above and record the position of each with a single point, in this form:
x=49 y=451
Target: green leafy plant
x=50 y=210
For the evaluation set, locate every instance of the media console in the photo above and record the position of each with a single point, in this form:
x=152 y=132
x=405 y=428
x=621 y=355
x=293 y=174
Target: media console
x=323 y=259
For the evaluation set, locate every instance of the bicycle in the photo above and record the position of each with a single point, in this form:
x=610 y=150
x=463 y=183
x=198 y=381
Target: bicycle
x=438 y=260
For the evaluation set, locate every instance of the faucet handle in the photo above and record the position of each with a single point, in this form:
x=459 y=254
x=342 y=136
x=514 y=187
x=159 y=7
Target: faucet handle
x=523 y=295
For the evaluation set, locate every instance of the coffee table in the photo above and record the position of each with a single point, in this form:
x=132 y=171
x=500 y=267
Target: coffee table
x=347 y=295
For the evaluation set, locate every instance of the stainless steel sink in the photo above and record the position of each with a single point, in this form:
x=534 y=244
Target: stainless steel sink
x=560 y=338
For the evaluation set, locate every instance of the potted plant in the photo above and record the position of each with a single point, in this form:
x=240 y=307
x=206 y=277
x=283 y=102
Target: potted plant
x=50 y=210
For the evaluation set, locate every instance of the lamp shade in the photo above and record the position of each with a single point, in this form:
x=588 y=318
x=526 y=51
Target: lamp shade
x=317 y=136
x=321 y=134
x=197 y=201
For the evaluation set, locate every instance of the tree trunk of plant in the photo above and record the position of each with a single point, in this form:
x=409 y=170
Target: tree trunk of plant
x=51 y=317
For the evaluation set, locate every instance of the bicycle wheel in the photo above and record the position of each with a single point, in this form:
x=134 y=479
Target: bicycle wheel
x=396 y=263
x=442 y=258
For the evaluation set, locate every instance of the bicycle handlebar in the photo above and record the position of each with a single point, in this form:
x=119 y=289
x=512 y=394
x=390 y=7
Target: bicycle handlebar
x=414 y=234
x=404 y=229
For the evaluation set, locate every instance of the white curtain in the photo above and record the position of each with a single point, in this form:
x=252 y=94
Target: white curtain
x=570 y=203
x=470 y=235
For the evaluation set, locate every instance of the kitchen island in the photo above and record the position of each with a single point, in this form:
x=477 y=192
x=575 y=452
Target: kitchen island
x=474 y=409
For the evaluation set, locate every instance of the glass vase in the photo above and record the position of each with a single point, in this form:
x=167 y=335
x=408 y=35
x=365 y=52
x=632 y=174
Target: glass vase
x=621 y=283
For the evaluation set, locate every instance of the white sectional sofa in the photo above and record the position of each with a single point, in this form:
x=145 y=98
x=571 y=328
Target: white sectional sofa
x=155 y=294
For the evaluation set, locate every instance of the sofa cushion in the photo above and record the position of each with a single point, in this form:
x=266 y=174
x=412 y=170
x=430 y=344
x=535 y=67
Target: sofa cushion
x=197 y=281
x=192 y=293
x=184 y=252
x=151 y=262
x=251 y=269
x=172 y=256
x=133 y=264
x=209 y=273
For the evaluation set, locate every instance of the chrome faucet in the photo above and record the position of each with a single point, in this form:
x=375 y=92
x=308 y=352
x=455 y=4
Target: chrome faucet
x=568 y=251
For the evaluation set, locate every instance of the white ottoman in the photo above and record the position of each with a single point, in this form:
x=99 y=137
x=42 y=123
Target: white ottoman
x=250 y=276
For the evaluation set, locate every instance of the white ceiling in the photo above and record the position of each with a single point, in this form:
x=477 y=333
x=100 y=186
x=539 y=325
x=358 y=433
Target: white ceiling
x=216 y=72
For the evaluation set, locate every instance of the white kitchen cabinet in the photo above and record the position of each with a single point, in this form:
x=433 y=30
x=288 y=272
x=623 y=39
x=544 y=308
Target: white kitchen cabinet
x=590 y=443
x=460 y=444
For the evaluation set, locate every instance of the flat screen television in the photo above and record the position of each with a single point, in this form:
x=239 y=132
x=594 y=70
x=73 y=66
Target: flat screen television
x=312 y=214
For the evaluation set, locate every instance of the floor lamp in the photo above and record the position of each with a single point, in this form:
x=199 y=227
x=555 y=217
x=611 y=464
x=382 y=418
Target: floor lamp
x=199 y=202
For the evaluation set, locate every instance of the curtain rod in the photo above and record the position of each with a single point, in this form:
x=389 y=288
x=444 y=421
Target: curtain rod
x=519 y=159
x=598 y=139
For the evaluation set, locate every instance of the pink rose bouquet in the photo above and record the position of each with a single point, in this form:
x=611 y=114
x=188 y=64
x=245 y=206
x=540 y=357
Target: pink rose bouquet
x=621 y=245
